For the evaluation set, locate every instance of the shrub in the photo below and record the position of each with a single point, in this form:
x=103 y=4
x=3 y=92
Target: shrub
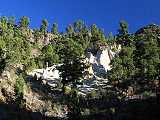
x=31 y=65
x=67 y=90
x=19 y=91
x=92 y=94
x=19 y=86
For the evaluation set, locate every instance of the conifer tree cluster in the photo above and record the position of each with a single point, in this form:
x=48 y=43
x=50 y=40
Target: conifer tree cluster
x=138 y=61
x=41 y=47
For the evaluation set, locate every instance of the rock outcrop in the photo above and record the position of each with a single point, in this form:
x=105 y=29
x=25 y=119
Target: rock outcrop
x=100 y=62
x=99 y=65
x=32 y=96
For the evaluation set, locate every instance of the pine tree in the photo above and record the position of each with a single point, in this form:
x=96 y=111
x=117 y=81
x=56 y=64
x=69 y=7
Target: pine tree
x=3 y=25
x=24 y=22
x=97 y=39
x=123 y=28
x=147 y=57
x=49 y=55
x=44 y=26
x=78 y=25
x=54 y=29
x=73 y=66
x=124 y=38
x=70 y=30
x=123 y=68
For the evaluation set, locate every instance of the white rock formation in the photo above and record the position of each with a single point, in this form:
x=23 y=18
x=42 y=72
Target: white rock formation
x=99 y=67
x=50 y=73
x=104 y=58
x=37 y=72
x=100 y=62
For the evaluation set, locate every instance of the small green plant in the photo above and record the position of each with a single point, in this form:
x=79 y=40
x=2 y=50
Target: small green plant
x=92 y=94
x=147 y=93
x=67 y=90
x=19 y=91
x=31 y=65
x=19 y=86
x=74 y=92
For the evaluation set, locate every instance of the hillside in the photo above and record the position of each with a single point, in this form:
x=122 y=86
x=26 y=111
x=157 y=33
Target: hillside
x=78 y=74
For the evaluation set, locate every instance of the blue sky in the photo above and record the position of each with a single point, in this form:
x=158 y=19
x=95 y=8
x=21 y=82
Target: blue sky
x=105 y=13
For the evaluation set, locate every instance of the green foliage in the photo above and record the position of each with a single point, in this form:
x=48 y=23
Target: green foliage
x=4 y=27
x=92 y=94
x=49 y=55
x=67 y=90
x=97 y=40
x=147 y=56
x=3 y=24
x=74 y=105
x=137 y=64
x=123 y=28
x=111 y=39
x=123 y=68
x=138 y=61
x=37 y=35
x=44 y=26
x=31 y=65
x=2 y=61
x=78 y=25
x=19 y=86
x=18 y=51
x=70 y=29
x=94 y=29
x=73 y=66
x=54 y=29
x=24 y=22
x=124 y=38
x=2 y=43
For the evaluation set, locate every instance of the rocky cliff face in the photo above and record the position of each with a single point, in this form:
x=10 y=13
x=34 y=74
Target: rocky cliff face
x=100 y=62
x=33 y=96
x=99 y=65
